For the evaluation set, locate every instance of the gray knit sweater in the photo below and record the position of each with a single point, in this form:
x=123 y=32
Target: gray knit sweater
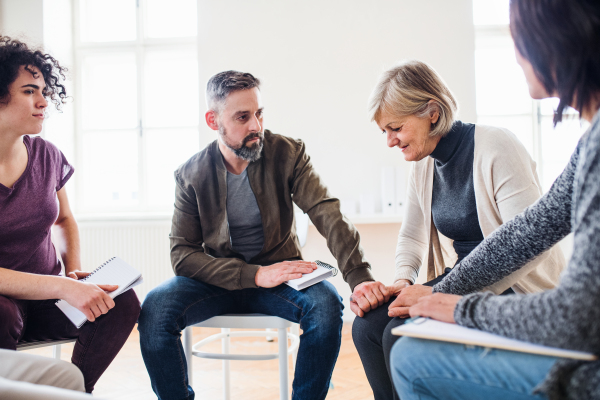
x=567 y=316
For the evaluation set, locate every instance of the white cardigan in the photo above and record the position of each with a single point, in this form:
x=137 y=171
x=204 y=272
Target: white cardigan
x=505 y=183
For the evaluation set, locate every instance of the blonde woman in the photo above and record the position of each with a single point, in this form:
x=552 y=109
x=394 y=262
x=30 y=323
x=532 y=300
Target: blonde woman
x=465 y=181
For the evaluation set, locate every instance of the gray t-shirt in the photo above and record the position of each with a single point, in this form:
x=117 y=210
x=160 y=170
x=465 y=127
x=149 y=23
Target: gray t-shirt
x=243 y=216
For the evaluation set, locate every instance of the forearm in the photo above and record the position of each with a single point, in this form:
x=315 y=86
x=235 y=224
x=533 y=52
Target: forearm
x=22 y=285
x=228 y=273
x=343 y=240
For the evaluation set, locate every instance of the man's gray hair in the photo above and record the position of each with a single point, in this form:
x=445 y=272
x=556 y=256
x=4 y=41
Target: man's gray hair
x=219 y=86
x=414 y=88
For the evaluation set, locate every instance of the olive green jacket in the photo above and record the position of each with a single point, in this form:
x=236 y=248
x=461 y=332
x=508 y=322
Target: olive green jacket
x=200 y=238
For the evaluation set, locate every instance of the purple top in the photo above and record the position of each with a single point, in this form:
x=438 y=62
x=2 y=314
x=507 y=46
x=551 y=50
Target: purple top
x=29 y=209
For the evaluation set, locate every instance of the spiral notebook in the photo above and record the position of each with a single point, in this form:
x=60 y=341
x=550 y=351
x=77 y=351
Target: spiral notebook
x=425 y=328
x=322 y=272
x=115 y=271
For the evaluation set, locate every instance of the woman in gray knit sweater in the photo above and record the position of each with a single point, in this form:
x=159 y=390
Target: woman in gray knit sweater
x=558 y=46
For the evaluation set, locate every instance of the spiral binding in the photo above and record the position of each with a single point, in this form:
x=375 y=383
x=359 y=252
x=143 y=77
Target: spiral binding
x=325 y=265
x=99 y=268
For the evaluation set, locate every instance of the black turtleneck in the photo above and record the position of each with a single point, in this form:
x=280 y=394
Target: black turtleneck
x=453 y=199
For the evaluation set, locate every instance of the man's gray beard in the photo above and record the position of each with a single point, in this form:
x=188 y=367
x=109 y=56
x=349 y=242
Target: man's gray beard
x=244 y=152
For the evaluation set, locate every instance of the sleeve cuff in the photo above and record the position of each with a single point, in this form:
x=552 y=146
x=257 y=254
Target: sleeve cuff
x=248 y=276
x=406 y=273
x=358 y=276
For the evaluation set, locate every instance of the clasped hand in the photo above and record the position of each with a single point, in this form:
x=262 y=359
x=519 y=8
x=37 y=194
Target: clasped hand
x=89 y=298
x=407 y=297
x=369 y=295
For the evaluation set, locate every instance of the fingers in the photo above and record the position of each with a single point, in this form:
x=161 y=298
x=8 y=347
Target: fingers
x=401 y=312
x=356 y=309
x=109 y=288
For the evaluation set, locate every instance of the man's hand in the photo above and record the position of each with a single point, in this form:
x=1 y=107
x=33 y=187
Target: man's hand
x=368 y=296
x=407 y=297
x=438 y=306
x=90 y=299
x=276 y=274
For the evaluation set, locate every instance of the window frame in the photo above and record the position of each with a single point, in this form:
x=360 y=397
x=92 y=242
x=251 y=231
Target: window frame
x=140 y=47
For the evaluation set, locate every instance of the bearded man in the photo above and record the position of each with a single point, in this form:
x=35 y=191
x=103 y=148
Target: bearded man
x=234 y=244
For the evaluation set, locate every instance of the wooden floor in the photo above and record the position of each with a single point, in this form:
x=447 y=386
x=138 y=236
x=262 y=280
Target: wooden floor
x=127 y=378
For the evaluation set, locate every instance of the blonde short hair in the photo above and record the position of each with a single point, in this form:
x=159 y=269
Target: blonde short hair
x=414 y=88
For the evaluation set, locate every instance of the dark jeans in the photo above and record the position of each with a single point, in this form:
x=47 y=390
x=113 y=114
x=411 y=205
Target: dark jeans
x=180 y=302
x=373 y=338
x=97 y=342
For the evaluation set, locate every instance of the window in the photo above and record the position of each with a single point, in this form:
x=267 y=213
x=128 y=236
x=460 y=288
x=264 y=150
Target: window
x=137 y=101
x=503 y=98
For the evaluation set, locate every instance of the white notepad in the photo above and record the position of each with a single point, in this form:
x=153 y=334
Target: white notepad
x=425 y=328
x=115 y=271
x=322 y=272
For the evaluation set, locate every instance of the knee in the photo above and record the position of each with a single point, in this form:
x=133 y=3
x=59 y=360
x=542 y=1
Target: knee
x=160 y=306
x=388 y=340
x=406 y=354
x=68 y=376
x=361 y=331
x=323 y=309
x=11 y=323
x=129 y=306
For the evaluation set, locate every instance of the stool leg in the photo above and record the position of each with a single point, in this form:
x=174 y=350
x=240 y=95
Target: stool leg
x=226 y=378
x=187 y=350
x=295 y=330
x=56 y=351
x=283 y=363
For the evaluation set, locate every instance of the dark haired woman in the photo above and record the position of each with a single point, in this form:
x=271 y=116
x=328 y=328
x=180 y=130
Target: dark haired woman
x=563 y=62
x=33 y=199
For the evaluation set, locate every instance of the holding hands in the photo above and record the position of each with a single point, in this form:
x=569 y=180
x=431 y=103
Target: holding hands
x=438 y=306
x=368 y=296
x=407 y=297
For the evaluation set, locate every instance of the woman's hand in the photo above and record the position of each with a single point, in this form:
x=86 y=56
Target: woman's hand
x=77 y=275
x=407 y=298
x=397 y=286
x=89 y=298
x=438 y=306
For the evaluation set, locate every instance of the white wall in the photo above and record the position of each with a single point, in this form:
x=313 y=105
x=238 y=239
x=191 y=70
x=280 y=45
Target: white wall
x=22 y=19
x=319 y=61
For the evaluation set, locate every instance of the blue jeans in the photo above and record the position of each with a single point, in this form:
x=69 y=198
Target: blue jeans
x=429 y=369
x=180 y=302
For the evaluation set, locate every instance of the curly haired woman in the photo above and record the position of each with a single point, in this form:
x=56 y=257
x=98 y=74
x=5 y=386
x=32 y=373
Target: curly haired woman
x=33 y=199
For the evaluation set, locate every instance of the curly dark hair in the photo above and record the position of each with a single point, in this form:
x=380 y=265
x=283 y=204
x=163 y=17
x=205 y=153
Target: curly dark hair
x=14 y=54
x=561 y=40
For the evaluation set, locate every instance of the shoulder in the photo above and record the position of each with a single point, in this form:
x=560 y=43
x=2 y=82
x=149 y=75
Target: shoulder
x=43 y=150
x=198 y=165
x=499 y=146
x=489 y=137
x=276 y=143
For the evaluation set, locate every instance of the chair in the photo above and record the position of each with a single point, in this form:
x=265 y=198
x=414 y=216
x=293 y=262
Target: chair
x=243 y=321
x=56 y=344
x=249 y=321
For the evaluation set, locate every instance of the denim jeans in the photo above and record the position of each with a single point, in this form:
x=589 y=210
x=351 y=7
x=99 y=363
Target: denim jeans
x=181 y=301
x=98 y=342
x=429 y=369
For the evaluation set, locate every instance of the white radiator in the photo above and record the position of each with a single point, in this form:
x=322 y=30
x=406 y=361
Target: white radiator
x=143 y=244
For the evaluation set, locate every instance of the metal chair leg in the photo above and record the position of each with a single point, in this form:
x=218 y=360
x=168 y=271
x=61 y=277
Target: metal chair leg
x=56 y=351
x=283 y=363
x=187 y=350
x=226 y=377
